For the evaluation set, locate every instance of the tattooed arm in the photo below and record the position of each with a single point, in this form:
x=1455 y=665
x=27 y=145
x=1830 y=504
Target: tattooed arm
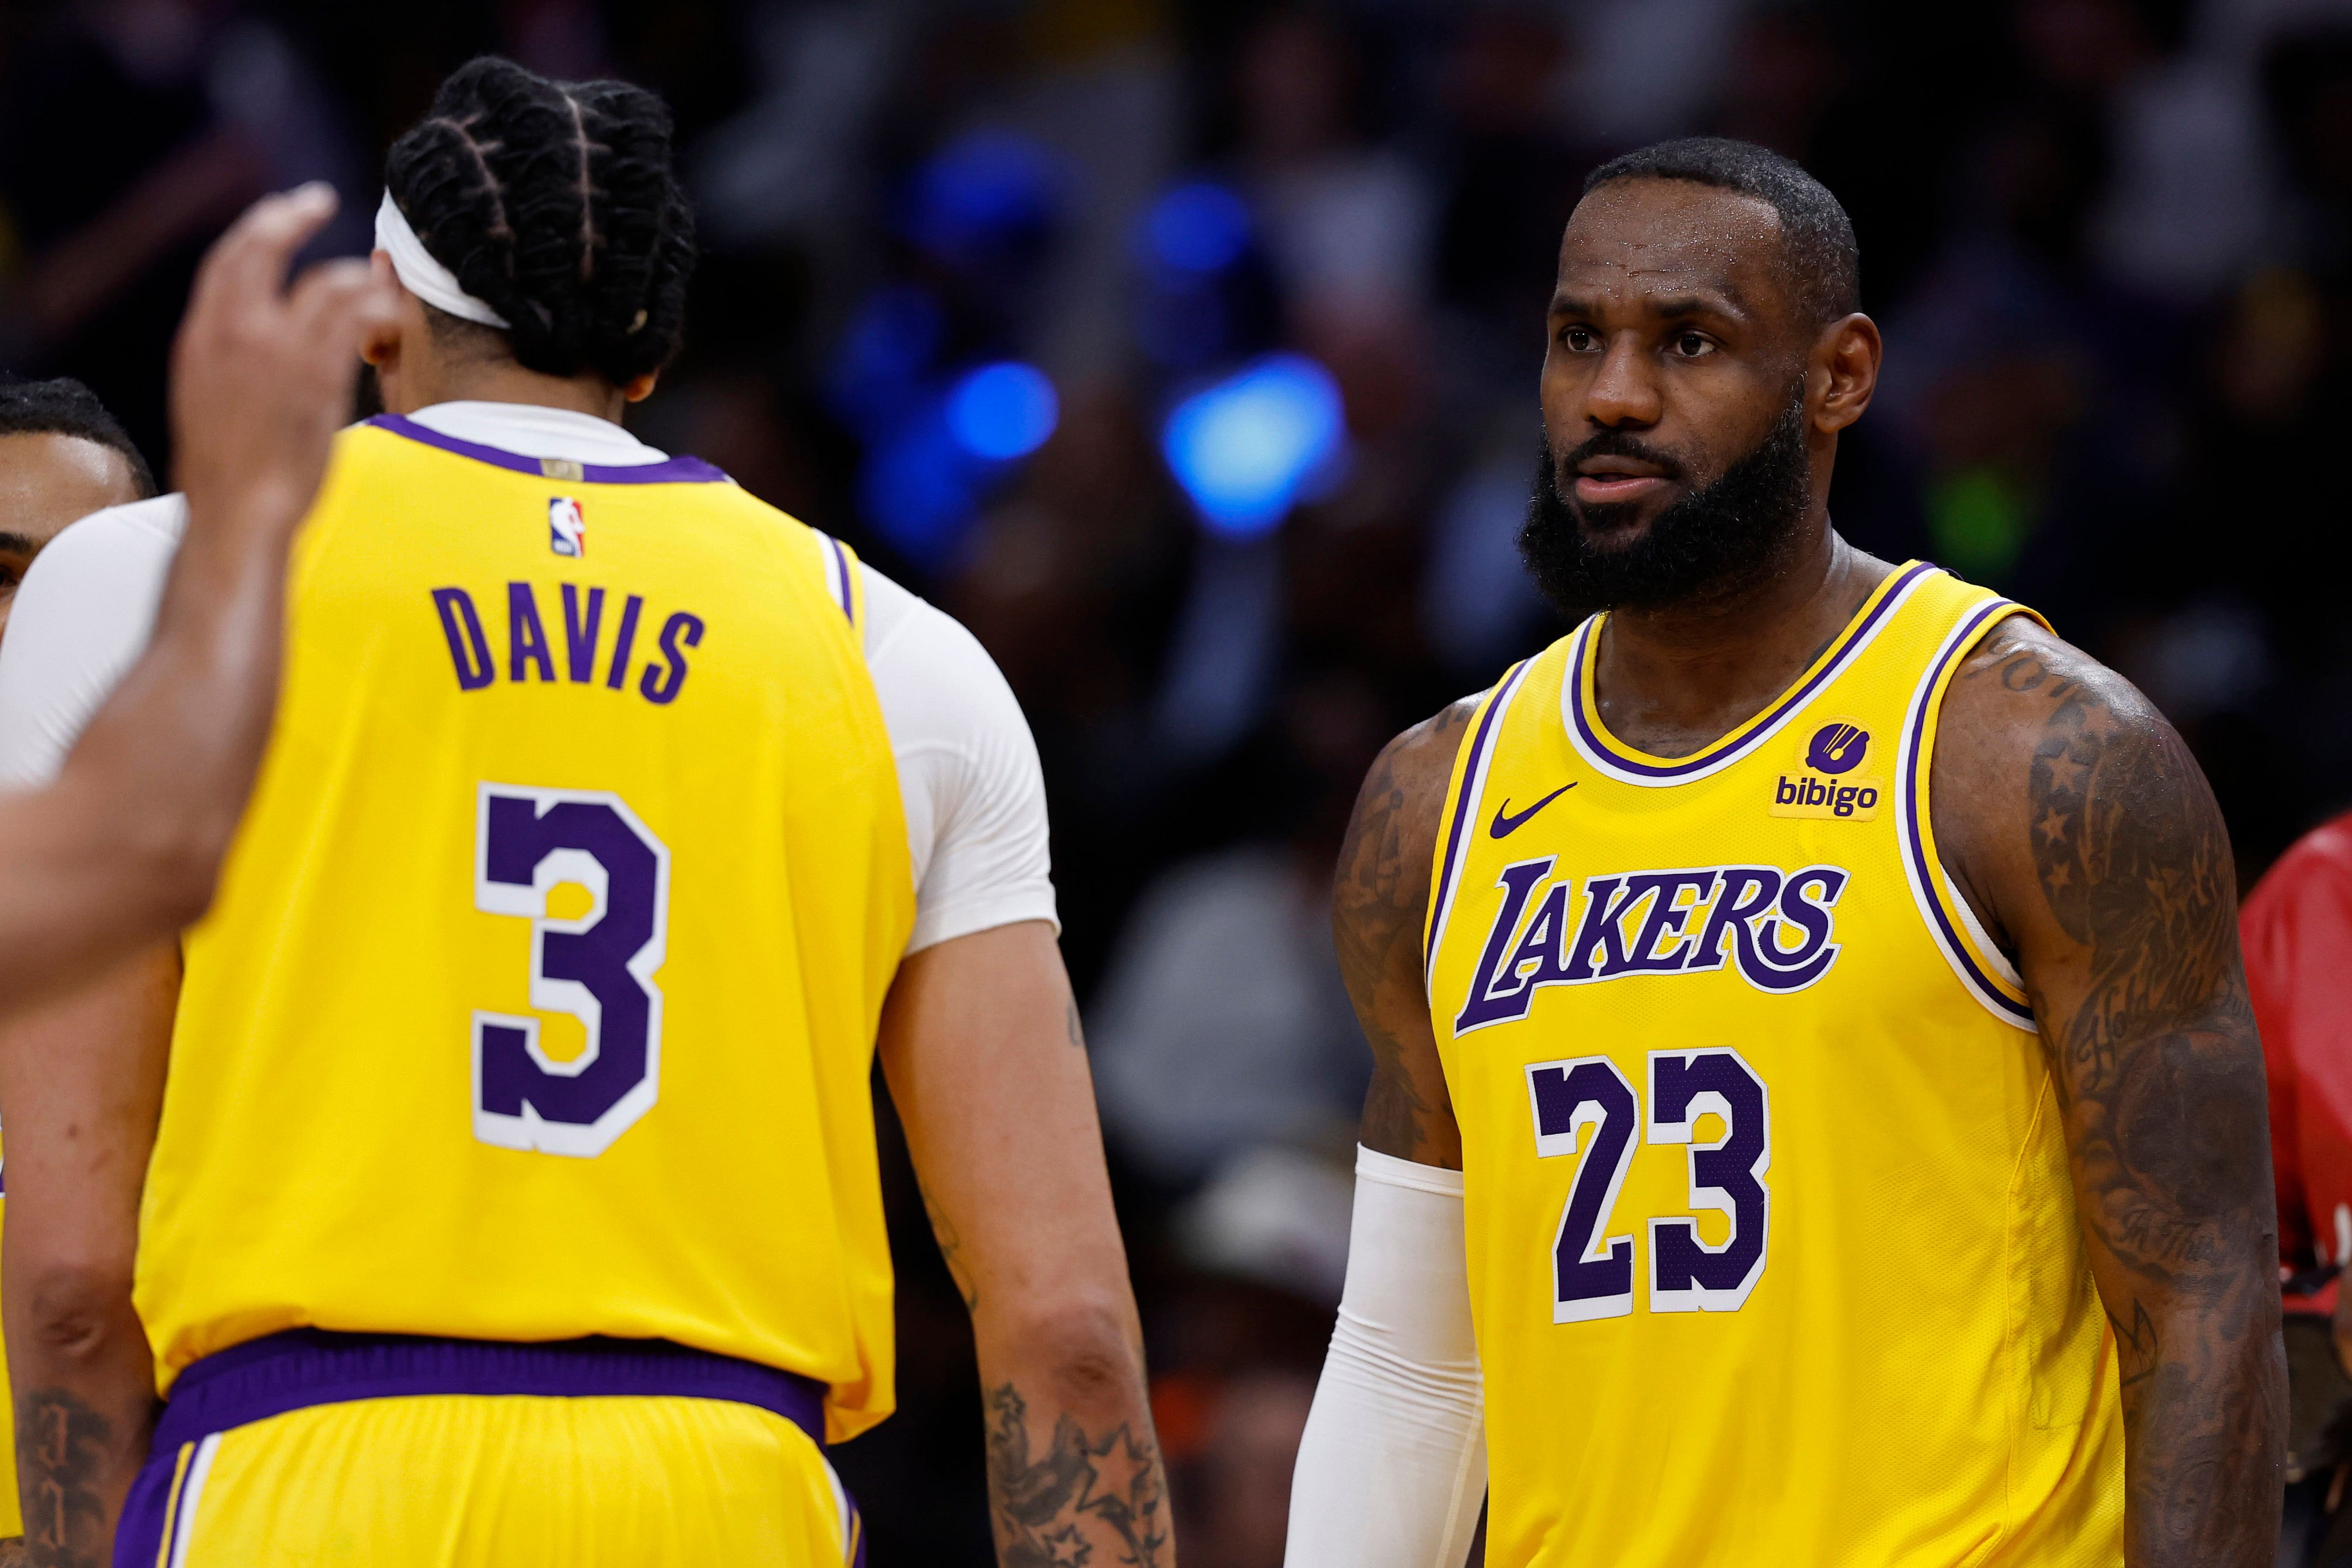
x=2081 y=831
x=81 y=1084
x=980 y=1045
x=1378 y=899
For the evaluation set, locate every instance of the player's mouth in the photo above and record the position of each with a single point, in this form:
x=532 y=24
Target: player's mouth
x=1606 y=479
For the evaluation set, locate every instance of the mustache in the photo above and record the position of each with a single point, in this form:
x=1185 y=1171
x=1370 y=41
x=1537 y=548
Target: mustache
x=1705 y=542
x=1614 y=444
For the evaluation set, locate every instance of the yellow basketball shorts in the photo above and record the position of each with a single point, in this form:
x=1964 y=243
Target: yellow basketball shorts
x=323 y=1449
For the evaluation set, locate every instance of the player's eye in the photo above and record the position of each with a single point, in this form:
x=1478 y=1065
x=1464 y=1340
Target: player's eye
x=1693 y=345
x=1579 y=339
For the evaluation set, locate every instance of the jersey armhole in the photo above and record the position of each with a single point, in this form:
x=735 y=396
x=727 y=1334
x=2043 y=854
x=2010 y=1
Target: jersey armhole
x=843 y=580
x=1465 y=786
x=1983 y=971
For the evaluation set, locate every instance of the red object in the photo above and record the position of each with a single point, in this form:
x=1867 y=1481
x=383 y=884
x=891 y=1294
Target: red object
x=1183 y=1403
x=2297 y=928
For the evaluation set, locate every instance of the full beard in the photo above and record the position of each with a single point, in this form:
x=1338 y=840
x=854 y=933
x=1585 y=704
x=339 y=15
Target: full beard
x=1708 y=545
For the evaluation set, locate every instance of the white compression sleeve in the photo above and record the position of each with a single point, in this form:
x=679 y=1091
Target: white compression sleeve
x=1393 y=1468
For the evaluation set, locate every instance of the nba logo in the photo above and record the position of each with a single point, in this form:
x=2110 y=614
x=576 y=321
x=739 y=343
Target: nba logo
x=567 y=530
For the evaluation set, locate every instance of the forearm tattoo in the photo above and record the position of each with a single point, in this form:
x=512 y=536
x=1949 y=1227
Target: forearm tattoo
x=61 y=1447
x=1082 y=1495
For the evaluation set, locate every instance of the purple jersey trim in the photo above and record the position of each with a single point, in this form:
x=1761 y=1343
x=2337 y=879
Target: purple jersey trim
x=1760 y=729
x=305 y=1368
x=139 y=1533
x=840 y=574
x=1462 y=806
x=1915 y=844
x=302 y=1367
x=671 y=470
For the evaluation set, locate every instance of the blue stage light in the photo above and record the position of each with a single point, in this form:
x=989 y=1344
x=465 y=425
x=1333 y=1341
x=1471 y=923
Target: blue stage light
x=1002 y=410
x=1199 y=227
x=1245 y=447
x=884 y=356
x=920 y=489
x=985 y=190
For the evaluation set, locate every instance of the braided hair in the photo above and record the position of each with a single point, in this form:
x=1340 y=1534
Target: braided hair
x=554 y=204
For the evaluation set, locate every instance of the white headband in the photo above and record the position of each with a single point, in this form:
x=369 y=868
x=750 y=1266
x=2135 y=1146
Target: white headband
x=420 y=273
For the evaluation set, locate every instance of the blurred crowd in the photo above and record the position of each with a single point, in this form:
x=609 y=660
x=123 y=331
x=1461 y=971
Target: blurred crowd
x=1186 y=351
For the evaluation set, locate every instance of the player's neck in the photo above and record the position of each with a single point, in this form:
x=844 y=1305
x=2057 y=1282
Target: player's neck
x=503 y=381
x=1670 y=681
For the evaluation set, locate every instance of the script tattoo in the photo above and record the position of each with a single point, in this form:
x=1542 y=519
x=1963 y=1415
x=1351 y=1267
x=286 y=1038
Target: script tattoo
x=1052 y=1510
x=2159 y=1074
x=61 y=1442
x=950 y=1240
x=1378 y=899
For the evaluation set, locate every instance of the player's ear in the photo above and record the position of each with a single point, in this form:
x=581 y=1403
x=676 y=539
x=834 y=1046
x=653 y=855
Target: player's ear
x=1846 y=357
x=641 y=387
x=381 y=346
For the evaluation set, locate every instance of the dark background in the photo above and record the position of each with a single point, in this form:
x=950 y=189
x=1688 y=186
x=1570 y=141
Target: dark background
x=2110 y=242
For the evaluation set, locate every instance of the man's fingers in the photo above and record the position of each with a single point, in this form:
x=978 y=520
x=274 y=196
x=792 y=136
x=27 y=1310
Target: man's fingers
x=259 y=246
x=250 y=261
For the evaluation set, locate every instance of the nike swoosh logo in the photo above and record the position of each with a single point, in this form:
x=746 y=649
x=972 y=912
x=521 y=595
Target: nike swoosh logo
x=1505 y=824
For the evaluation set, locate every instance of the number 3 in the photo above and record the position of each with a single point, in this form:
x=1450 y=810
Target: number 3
x=1686 y=1275
x=598 y=968
x=1593 y=1275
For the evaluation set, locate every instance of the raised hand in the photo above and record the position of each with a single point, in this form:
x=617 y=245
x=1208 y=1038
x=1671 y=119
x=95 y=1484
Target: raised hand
x=261 y=372
x=123 y=849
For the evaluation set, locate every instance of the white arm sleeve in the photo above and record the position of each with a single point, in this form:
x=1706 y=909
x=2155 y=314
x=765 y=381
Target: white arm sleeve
x=968 y=770
x=1393 y=1468
x=81 y=620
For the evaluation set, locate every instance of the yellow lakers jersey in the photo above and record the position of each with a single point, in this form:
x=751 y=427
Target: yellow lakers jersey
x=539 y=995
x=1771 y=1249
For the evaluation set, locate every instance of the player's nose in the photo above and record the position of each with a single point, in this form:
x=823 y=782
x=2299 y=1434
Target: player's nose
x=1623 y=391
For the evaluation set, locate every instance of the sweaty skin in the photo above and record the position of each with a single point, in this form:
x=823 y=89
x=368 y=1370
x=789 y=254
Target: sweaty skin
x=2067 y=811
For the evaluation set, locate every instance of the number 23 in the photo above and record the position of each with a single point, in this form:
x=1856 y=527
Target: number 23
x=1593 y=1274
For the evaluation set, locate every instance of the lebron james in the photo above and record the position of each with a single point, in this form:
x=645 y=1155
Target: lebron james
x=1818 y=1118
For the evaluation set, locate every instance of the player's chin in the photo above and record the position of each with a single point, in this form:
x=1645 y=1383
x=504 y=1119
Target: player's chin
x=1609 y=527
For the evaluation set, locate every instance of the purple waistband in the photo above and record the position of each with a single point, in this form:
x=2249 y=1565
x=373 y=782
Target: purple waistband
x=302 y=1367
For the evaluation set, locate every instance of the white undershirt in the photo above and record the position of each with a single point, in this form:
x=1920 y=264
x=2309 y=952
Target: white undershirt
x=968 y=770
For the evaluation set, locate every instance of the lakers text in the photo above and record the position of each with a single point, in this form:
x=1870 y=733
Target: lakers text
x=1775 y=928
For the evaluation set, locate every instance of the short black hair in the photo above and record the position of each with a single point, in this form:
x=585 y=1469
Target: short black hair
x=1817 y=235
x=66 y=407
x=556 y=204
